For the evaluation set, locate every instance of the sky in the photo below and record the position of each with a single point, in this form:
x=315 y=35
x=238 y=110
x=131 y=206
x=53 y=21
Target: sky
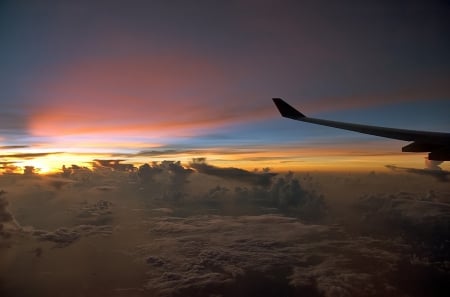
x=144 y=80
x=160 y=112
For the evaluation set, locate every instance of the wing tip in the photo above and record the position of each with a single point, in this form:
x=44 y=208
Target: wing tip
x=286 y=110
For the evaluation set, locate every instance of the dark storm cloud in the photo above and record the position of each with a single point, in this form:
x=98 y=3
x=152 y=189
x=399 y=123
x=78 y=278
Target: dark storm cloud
x=260 y=179
x=63 y=237
x=439 y=174
x=257 y=255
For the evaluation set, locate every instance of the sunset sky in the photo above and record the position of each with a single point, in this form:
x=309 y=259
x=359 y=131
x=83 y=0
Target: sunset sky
x=156 y=80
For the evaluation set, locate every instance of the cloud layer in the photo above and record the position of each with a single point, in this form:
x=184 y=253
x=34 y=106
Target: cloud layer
x=209 y=255
x=167 y=230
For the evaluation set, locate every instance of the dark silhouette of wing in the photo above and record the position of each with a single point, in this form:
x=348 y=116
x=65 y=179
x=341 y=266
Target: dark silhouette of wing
x=437 y=143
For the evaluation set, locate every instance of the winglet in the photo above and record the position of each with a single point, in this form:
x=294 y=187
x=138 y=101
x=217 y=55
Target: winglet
x=286 y=110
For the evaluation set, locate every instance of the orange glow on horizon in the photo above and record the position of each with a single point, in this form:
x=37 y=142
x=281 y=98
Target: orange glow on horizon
x=281 y=161
x=51 y=163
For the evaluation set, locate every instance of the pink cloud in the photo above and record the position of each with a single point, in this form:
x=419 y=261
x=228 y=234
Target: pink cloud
x=137 y=93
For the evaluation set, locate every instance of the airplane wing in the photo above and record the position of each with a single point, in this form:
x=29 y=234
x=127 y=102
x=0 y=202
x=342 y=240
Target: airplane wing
x=437 y=143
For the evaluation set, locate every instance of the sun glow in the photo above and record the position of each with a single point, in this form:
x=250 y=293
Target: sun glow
x=39 y=166
x=53 y=163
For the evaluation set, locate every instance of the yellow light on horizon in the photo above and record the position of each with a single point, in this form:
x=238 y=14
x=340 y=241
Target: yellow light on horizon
x=277 y=161
x=53 y=163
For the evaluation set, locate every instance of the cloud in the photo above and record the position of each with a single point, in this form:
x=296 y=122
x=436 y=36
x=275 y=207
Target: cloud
x=59 y=183
x=8 y=167
x=105 y=188
x=5 y=215
x=170 y=182
x=284 y=193
x=178 y=173
x=75 y=172
x=98 y=213
x=167 y=77
x=237 y=256
x=255 y=242
x=419 y=217
x=170 y=177
x=439 y=174
x=28 y=155
x=165 y=152
x=432 y=164
x=8 y=147
x=63 y=237
x=147 y=172
x=194 y=151
x=260 y=179
x=112 y=164
x=162 y=211
x=7 y=221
